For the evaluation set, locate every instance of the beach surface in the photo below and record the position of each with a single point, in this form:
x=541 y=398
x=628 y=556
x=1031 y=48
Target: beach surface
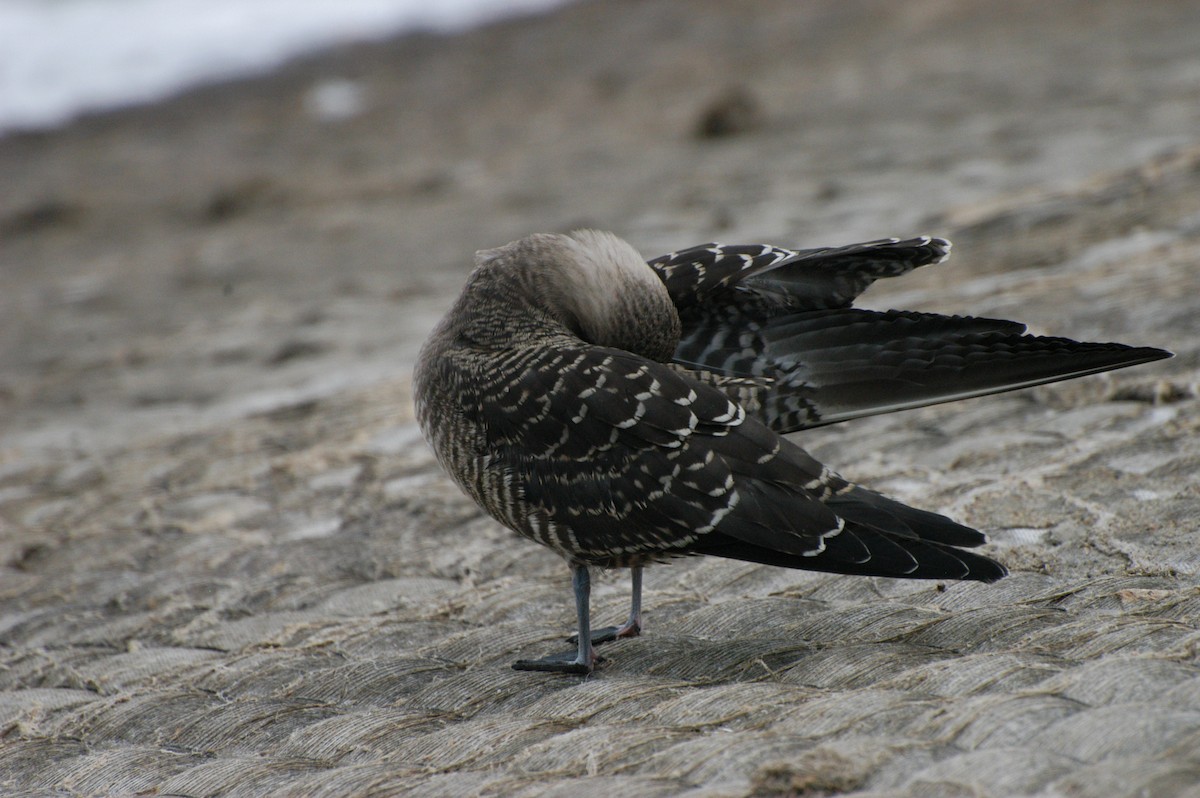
x=229 y=565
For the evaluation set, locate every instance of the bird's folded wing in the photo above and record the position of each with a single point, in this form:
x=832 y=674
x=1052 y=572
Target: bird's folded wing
x=614 y=457
x=623 y=455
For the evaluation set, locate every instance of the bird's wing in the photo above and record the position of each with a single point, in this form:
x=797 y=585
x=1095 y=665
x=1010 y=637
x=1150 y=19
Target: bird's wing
x=611 y=458
x=826 y=277
x=811 y=368
x=604 y=454
x=812 y=360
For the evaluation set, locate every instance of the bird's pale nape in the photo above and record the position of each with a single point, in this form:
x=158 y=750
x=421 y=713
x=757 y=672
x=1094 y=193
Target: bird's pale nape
x=624 y=413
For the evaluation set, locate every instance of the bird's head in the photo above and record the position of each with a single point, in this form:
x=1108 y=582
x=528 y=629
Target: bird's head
x=593 y=283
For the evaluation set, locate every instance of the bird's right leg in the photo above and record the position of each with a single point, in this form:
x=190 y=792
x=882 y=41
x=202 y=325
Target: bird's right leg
x=584 y=658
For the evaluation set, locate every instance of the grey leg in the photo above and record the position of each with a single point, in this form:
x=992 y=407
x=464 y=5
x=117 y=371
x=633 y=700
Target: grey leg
x=584 y=659
x=633 y=625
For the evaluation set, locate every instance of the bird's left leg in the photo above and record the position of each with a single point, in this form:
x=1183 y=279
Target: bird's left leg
x=633 y=625
x=584 y=659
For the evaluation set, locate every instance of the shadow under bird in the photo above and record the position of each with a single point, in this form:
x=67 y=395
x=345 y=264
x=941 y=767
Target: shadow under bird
x=624 y=413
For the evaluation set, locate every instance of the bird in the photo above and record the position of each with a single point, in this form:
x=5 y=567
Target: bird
x=624 y=412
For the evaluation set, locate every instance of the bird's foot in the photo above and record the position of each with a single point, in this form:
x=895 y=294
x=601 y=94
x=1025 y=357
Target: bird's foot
x=610 y=633
x=568 y=662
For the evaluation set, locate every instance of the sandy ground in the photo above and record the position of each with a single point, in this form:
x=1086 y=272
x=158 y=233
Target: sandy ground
x=231 y=566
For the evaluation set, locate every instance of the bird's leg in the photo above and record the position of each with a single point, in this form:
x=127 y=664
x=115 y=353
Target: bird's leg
x=584 y=659
x=633 y=625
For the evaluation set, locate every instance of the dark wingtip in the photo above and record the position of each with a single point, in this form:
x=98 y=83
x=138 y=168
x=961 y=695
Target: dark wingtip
x=986 y=570
x=1148 y=354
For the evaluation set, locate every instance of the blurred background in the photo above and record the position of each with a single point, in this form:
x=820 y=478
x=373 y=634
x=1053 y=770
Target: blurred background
x=60 y=58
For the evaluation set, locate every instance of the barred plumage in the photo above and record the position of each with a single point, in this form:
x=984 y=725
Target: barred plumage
x=623 y=413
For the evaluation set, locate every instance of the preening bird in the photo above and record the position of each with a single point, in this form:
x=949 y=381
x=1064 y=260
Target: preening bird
x=624 y=412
